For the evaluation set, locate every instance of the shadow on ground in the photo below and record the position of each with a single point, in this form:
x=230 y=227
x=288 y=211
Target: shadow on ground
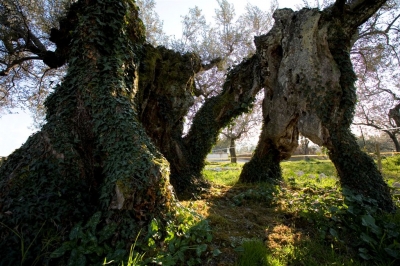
x=240 y=213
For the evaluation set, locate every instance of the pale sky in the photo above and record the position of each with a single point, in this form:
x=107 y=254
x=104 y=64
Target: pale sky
x=16 y=128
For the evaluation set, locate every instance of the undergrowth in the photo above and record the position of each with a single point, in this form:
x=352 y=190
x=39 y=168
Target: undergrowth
x=307 y=220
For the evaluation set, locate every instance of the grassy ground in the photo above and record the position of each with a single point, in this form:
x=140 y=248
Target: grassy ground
x=293 y=224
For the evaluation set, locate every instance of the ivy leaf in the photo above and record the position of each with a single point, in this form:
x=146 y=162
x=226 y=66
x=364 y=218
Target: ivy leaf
x=393 y=253
x=107 y=232
x=216 y=252
x=334 y=233
x=76 y=259
x=61 y=250
x=367 y=239
x=93 y=222
x=75 y=232
x=369 y=221
x=200 y=249
x=364 y=253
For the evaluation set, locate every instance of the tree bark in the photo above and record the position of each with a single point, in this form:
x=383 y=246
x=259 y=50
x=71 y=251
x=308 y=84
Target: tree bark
x=310 y=79
x=232 y=151
x=395 y=140
x=92 y=158
x=164 y=98
x=264 y=165
x=395 y=114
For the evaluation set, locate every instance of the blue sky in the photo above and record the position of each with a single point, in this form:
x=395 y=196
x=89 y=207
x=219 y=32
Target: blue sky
x=16 y=128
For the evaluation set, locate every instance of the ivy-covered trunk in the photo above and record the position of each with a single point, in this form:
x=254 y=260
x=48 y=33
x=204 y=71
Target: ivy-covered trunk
x=164 y=98
x=357 y=171
x=309 y=88
x=91 y=166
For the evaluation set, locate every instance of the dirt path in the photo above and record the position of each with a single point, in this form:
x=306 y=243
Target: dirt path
x=235 y=219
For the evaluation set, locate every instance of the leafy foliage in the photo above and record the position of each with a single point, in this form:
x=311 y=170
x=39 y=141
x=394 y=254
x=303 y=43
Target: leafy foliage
x=86 y=243
x=353 y=219
x=184 y=239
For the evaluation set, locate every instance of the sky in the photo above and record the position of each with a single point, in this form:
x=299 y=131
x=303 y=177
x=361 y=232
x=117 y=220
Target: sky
x=16 y=128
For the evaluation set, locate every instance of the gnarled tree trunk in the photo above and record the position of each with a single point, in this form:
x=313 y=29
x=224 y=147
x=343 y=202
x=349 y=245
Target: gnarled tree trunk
x=309 y=88
x=164 y=98
x=92 y=160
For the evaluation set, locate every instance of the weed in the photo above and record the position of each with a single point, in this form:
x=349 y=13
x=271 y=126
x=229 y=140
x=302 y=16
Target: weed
x=264 y=193
x=184 y=243
x=254 y=253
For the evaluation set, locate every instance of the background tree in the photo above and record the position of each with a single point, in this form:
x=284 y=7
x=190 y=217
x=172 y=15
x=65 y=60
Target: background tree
x=368 y=142
x=29 y=66
x=228 y=39
x=375 y=56
x=154 y=26
x=304 y=144
x=241 y=127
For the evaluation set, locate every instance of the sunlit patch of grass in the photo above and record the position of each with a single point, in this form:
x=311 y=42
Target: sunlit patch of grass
x=255 y=253
x=314 y=252
x=259 y=224
x=391 y=169
x=315 y=167
x=223 y=174
x=319 y=173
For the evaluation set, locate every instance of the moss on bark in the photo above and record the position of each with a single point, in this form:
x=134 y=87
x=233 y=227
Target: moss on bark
x=92 y=164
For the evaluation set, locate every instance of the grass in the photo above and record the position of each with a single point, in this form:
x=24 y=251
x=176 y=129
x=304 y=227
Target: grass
x=293 y=224
x=255 y=253
x=391 y=169
x=223 y=174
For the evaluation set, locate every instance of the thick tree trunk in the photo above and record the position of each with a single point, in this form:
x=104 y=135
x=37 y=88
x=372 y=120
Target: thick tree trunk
x=264 y=165
x=279 y=137
x=310 y=80
x=92 y=159
x=165 y=96
x=232 y=151
x=237 y=96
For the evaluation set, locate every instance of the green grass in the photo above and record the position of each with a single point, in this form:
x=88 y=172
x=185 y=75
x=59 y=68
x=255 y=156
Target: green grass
x=316 y=253
x=255 y=253
x=223 y=174
x=310 y=203
x=310 y=173
x=391 y=169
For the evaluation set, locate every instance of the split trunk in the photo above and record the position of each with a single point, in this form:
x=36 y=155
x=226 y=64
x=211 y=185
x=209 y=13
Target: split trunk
x=309 y=88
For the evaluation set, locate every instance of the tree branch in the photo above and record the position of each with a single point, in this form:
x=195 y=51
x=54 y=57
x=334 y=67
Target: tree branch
x=359 y=12
x=17 y=62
